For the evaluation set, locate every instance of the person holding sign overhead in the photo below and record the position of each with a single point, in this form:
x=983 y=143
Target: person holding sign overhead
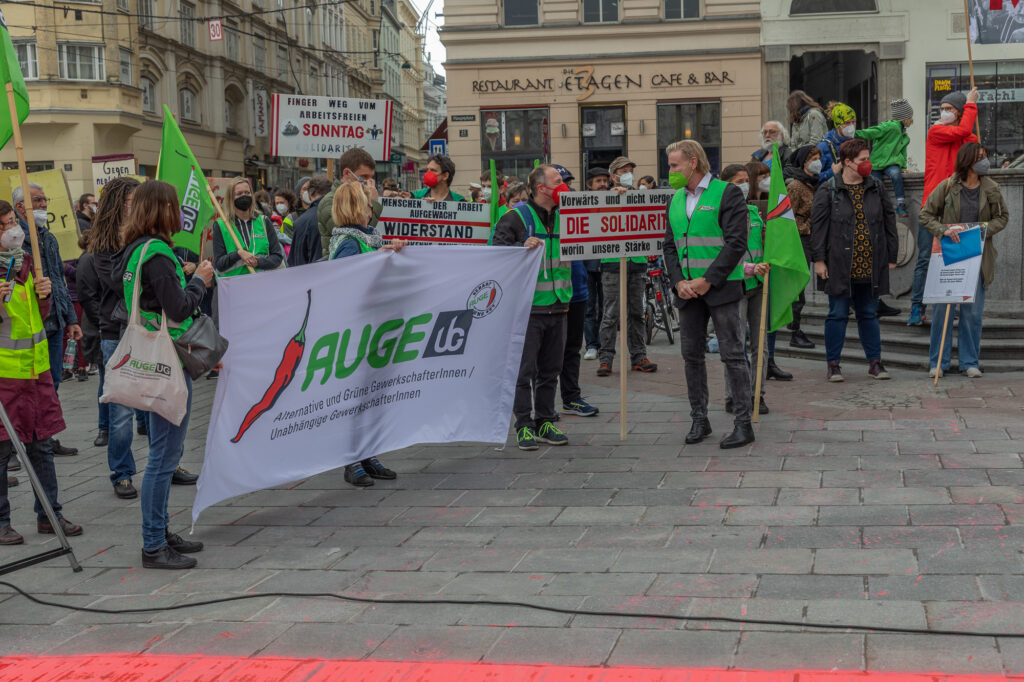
x=259 y=247
x=969 y=196
x=705 y=244
x=438 y=180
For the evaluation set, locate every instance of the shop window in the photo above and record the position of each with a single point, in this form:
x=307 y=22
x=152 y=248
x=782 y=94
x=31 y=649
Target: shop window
x=514 y=138
x=700 y=121
x=682 y=9
x=597 y=11
x=830 y=6
x=521 y=13
x=1000 y=103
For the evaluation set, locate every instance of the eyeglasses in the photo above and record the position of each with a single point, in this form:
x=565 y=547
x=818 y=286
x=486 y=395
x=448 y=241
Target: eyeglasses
x=38 y=200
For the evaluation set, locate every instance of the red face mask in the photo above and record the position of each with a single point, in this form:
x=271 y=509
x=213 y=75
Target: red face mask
x=557 y=191
x=864 y=169
x=430 y=179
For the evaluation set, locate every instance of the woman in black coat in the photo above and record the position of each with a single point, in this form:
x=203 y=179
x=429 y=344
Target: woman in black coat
x=853 y=246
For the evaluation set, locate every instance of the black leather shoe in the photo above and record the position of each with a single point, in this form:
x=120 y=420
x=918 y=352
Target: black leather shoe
x=183 y=477
x=775 y=373
x=102 y=438
x=764 y=407
x=886 y=310
x=375 y=469
x=740 y=436
x=125 y=490
x=728 y=405
x=700 y=430
x=167 y=557
x=11 y=481
x=799 y=340
x=61 y=451
x=181 y=545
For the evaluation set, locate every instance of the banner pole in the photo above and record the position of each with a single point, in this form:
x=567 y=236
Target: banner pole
x=760 y=348
x=330 y=169
x=942 y=344
x=624 y=359
x=970 y=63
x=33 y=234
x=227 y=223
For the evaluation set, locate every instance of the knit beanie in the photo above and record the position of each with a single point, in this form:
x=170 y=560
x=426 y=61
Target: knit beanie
x=956 y=99
x=900 y=110
x=842 y=113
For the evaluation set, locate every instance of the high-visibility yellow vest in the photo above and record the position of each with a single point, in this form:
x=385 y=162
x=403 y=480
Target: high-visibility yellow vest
x=699 y=238
x=554 y=279
x=23 y=350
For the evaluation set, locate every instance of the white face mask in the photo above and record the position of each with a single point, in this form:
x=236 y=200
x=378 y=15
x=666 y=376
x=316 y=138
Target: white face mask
x=13 y=238
x=39 y=217
x=626 y=179
x=486 y=192
x=814 y=167
x=947 y=117
x=306 y=198
x=765 y=185
x=849 y=130
x=281 y=208
x=745 y=188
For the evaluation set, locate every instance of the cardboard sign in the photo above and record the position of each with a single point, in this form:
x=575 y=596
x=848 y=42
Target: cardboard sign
x=434 y=222
x=61 y=220
x=106 y=168
x=957 y=282
x=326 y=127
x=612 y=225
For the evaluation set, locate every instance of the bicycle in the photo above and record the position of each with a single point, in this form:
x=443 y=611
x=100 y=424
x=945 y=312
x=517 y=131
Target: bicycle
x=659 y=313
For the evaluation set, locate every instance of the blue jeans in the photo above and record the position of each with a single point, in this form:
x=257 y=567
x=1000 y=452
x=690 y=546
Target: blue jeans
x=40 y=455
x=924 y=256
x=119 y=444
x=895 y=174
x=104 y=408
x=166 y=445
x=968 y=334
x=55 y=344
x=865 y=308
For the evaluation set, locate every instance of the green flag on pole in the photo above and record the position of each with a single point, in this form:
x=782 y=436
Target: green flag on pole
x=178 y=166
x=495 y=195
x=10 y=72
x=783 y=251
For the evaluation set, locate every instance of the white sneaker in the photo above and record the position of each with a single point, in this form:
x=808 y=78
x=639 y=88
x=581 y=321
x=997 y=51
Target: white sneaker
x=973 y=373
x=591 y=354
x=933 y=371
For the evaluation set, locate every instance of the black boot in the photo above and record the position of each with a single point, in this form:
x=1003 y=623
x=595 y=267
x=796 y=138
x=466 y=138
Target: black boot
x=742 y=434
x=799 y=340
x=167 y=557
x=775 y=373
x=700 y=430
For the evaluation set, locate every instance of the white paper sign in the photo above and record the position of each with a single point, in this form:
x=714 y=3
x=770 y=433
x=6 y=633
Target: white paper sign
x=326 y=127
x=612 y=225
x=435 y=222
x=954 y=283
x=106 y=168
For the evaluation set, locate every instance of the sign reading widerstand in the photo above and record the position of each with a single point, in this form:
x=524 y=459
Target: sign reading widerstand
x=434 y=222
x=326 y=127
x=612 y=225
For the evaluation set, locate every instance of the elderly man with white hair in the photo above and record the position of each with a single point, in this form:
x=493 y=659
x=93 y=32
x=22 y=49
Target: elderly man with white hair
x=772 y=132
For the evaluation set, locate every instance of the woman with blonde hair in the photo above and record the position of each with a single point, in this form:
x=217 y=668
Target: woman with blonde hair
x=259 y=247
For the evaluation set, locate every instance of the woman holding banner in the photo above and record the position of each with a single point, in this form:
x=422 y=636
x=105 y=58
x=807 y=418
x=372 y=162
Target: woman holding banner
x=253 y=240
x=969 y=196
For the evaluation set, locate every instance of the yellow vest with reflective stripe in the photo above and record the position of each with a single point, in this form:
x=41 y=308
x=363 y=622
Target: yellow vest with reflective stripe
x=23 y=350
x=699 y=238
x=755 y=246
x=554 y=279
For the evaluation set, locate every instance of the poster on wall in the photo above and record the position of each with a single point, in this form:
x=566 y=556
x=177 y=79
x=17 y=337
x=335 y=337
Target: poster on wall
x=326 y=127
x=996 y=21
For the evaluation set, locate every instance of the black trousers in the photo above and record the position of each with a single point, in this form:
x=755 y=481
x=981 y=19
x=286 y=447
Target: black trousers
x=543 y=350
x=569 y=380
x=729 y=327
x=801 y=301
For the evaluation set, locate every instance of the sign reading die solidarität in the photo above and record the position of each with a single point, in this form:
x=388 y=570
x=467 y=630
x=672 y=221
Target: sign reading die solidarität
x=612 y=225
x=326 y=127
x=434 y=222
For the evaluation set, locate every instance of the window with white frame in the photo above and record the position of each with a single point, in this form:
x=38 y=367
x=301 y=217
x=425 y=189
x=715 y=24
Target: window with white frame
x=80 y=62
x=123 y=5
x=231 y=42
x=148 y=94
x=187 y=107
x=521 y=12
x=187 y=25
x=259 y=53
x=125 y=58
x=682 y=9
x=282 y=63
x=598 y=11
x=27 y=59
x=147 y=8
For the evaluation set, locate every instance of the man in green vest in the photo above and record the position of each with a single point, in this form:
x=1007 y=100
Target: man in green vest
x=534 y=224
x=705 y=244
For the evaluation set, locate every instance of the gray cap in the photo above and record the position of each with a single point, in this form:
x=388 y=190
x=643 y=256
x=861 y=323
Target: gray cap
x=298 y=187
x=956 y=99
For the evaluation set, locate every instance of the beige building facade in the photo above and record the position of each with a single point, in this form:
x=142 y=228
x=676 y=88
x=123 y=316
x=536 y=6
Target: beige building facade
x=580 y=83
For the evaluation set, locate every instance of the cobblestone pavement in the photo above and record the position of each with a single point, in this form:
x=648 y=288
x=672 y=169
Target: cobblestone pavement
x=867 y=503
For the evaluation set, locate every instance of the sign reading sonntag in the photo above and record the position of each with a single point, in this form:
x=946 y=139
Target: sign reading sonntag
x=325 y=127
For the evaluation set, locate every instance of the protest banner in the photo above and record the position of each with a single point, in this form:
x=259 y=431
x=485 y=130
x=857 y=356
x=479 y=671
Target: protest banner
x=423 y=347
x=106 y=168
x=956 y=282
x=612 y=225
x=434 y=222
x=321 y=127
x=995 y=21
x=60 y=220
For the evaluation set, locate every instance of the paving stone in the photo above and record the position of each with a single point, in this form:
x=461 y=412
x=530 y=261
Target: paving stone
x=775 y=516
x=515 y=516
x=864 y=561
x=697 y=585
x=810 y=587
x=662 y=561
x=446 y=536
x=568 y=560
x=793 y=651
x=948 y=477
x=652 y=498
x=668 y=648
x=870 y=613
x=924 y=587
x=313 y=640
x=572 y=498
x=638 y=612
x=745 y=464
x=905 y=463
x=818 y=496
x=762 y=561
x=733 y=496
x=957 y=514
x=897 y=496
x=859 y=479
x=219 y=639
x=812 y=537
x=436 y=516
x=862 y=516
x=991 y=494
x=981 y=617
x=506 y=584
x=538 y=537
x=910 y=537
x=590 y=584
x=553 y=645
x=110 y=638
x=709 y=538
x=889 y=652
x=781 y=479
x=685 y=516
x=625 y=536
x=434 y=643
x=978 y=461
x=965 y=562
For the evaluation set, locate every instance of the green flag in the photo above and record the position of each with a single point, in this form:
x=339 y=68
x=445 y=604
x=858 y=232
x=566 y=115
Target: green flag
x=495 y=195
x=783 y=251
x=177 y=166
x=10 y=72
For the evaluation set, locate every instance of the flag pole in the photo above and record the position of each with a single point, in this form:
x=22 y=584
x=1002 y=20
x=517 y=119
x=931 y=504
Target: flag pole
x=760 y=347
x=942 y=344
x=970 y=63
x=227 y=223
x=33 y=234
x=624 y=358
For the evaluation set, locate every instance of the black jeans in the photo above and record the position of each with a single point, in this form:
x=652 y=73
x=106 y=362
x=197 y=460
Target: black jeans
x=693 y=323
x=801 y=301
x=595 y=309
x=543 y=350
x=569 y=380
x=40 y=455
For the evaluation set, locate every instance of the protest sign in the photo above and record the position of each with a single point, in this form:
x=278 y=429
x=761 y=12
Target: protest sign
x=612 y=225
x=434 y=222
x=956 y=282
x=61 y=219
x=423 y=347
x=106 y=168
x=321 y=127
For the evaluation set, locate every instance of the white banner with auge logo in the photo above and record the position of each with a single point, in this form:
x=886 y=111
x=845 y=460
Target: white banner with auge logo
x=342 y=360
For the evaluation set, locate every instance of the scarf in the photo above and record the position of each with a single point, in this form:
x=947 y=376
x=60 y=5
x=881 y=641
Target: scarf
x=15 y=256
x=371 y=238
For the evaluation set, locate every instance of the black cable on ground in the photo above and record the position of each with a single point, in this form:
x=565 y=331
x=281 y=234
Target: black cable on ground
x=526 y=605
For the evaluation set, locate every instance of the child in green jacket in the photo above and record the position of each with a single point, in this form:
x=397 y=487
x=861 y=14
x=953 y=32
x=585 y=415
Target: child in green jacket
x=889 y=141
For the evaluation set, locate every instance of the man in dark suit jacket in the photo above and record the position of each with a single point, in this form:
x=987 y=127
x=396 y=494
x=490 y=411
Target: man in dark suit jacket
x=705 y=246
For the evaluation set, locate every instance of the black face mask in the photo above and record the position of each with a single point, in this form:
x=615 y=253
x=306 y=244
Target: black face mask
x=244 y=202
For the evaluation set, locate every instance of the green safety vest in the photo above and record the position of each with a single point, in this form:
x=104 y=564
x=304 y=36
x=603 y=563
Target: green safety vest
x=554 y=279
x=151 y=321
x=422 y=193
x=260 y=245
x=755 y=246
x=699 y=239
x=288 y=226
x=23 y=350
x=363 y=246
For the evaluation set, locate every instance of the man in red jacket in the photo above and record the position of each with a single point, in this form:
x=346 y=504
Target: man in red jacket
x=958 y=112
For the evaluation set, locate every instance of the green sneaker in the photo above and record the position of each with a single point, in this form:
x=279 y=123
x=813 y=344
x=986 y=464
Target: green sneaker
x=524 y=437
x=549 y=433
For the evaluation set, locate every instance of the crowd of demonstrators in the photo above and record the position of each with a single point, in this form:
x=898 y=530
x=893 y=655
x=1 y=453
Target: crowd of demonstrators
x=306 y=247
x=957 y=114
x=889 y=142
x=968 y=196
x=807 y=124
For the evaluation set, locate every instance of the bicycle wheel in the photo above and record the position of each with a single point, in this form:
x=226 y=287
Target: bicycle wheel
x=649 y=321
x=667 y=323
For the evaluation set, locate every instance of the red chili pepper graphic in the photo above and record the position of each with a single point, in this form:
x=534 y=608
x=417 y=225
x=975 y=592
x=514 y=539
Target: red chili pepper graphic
x=282 y=376
x=494 y=292
x=126 y=358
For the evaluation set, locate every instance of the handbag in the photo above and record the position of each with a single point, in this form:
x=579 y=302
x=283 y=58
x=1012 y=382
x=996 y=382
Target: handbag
x=201 y=347
x=144 y=372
